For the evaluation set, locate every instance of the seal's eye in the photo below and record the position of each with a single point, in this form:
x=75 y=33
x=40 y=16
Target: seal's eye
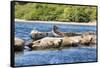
x=47 y=34
x=55 y=27
x=40 y=34
x=38 y=41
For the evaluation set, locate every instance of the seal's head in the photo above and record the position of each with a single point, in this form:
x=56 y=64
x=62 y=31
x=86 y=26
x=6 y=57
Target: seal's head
x=55 y=27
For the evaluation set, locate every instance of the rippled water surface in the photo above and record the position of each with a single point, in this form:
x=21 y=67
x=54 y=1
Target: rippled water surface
x=71 y=55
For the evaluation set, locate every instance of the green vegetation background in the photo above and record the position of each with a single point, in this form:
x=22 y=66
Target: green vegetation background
x=54 y=12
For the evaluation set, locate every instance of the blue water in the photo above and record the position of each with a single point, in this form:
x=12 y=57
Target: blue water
x=71 y=55
x=22 y=30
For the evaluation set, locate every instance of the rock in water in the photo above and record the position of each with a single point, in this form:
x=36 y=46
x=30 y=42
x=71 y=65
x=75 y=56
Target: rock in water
x=18 y=44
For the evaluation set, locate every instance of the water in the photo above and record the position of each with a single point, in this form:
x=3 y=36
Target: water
x=71 y=55
x=22 y=30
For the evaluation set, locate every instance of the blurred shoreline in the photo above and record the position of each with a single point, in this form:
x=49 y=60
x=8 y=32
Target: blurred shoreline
x=57 y=22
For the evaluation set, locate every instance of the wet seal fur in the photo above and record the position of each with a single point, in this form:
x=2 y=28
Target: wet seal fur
x=19 y=44
x=63 y=34
x=36 y=35
x=52 y=42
